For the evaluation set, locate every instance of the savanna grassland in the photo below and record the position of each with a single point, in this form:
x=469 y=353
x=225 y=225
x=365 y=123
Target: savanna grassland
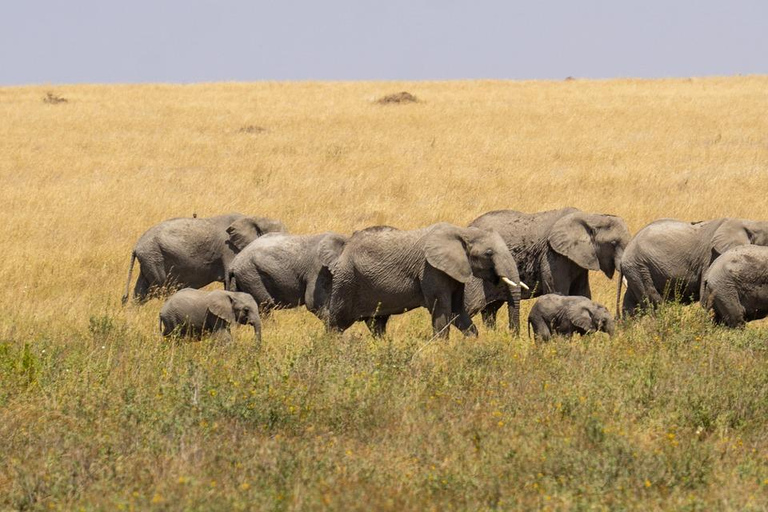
x=98 y=412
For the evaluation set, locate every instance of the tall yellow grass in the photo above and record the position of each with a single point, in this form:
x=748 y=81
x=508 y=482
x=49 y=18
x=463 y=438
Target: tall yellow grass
x=83 y=179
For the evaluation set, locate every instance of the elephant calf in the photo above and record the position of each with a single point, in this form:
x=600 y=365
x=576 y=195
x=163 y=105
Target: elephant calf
x=197 y=312
x=735 y=286
x=559 y=314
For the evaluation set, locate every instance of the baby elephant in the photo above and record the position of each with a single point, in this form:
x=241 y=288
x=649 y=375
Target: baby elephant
x=559 y=314
x=735 y=287
x=196 y=312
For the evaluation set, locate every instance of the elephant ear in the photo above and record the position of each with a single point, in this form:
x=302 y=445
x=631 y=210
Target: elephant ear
x=446 y=250
x=266 y=225
x=247 y=229
x=571 y=237
x=329 y=250
x=582 y=318
x=730 y=234
x=220 y=305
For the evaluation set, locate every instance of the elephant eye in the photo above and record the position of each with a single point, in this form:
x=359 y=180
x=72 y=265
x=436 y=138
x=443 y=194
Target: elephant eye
x=489 y=252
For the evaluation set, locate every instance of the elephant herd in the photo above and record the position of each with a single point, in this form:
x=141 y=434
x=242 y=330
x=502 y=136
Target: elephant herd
x=455 y=272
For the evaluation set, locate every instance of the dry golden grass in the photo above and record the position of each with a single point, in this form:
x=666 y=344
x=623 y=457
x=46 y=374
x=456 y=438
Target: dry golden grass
x=82 y=179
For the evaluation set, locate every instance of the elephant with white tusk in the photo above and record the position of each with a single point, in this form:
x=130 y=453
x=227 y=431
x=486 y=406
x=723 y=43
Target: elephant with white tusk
x=384 y=271
x=554 y=251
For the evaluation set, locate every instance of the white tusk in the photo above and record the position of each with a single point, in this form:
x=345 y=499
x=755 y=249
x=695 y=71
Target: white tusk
x=624 y=279
x=510 y=282
x=523 y=285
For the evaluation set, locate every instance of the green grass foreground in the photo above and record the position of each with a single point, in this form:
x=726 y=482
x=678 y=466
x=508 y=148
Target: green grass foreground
x=672 y=413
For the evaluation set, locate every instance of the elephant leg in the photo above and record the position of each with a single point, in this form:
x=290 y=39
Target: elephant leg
x=441 y=314
x=580 y=286
x=141 y=291
x=462 y=319
x=152 y=277
x=541 y=330
x=489 y=314
x=377 y=325
x=629 y=305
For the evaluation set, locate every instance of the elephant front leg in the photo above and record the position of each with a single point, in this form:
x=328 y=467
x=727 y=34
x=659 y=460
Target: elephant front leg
x=461 y=317
x=442 y=315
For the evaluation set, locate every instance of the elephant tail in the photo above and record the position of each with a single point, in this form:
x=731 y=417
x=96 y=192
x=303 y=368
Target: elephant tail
x=618 y=294
x=529 y=326
x=130 y=275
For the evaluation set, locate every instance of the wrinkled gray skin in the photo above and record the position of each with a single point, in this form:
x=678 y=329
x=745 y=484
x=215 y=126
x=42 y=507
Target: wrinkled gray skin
x=383 y=271
x=667 y=258
x=285 y=271
x=567 y=315
x=554 y=251
x=735 y=286
x=192 y=252
x=197 y=312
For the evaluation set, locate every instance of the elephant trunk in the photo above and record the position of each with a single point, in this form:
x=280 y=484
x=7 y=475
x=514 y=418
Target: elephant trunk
x=506 y=269
x=619 y=254
x=257 y=331
x=609 y=326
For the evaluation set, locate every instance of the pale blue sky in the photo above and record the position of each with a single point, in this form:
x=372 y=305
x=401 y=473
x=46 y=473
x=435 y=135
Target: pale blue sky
x=103 y=41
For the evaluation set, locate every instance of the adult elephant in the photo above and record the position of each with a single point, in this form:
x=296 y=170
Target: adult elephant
x=735 y=286
x=554 y=251
x=384 y=271
x=192 y=252
x=667 y=258
x=286 y=271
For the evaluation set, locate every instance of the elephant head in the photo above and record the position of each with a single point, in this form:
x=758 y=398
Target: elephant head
x=238 y=307
x=463 y=252
x=591 y=317
x=735 y=232
x=592 y=241
x=247 y=229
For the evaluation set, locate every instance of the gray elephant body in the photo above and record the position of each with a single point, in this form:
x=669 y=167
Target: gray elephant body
x=554 y=251
x=568 y=315
x=735 y=286
x=384 y=271
x=192 y=252
x=667 y=258
x=196 y=312
x=285 y=271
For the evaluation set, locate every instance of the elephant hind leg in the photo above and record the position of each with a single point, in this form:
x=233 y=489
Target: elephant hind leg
x=489 y=313
x=377 y=325
x=142 y=290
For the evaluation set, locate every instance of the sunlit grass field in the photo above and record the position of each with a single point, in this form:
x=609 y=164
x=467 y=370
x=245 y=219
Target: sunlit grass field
x=98 y=412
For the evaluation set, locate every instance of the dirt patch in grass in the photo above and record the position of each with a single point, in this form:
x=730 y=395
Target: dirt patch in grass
x=397 y=98
x=251 y=128
x=54 y=99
